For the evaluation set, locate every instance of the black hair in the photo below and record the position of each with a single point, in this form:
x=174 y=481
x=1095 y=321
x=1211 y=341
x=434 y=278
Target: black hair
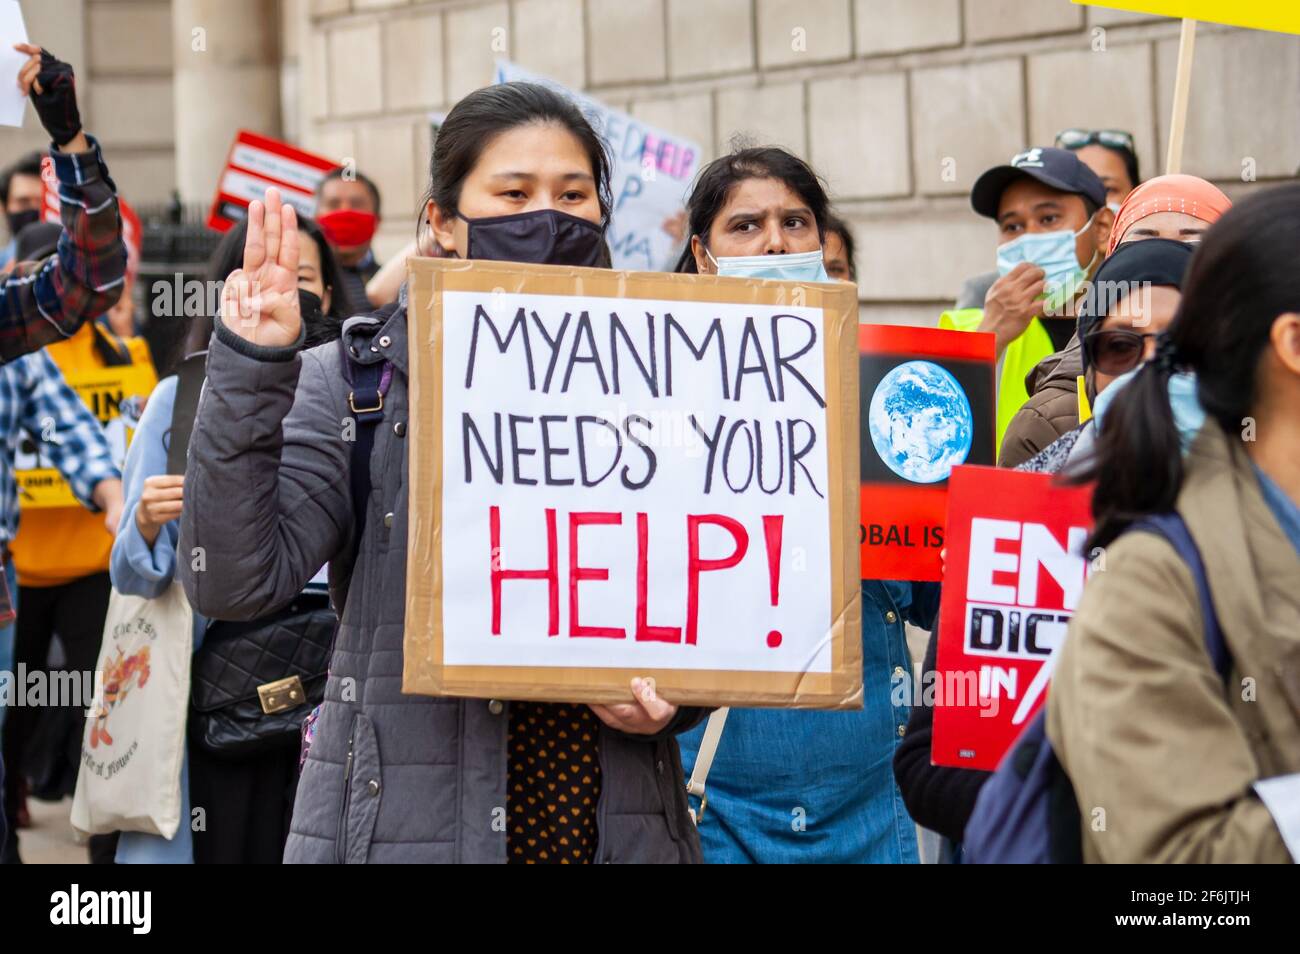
x=1130 y=162
x=716 y=181
x=350 y=175
x=837 y=226
x=1242 y=277
x=28 y=165
x=486 y=113
x=229 y=256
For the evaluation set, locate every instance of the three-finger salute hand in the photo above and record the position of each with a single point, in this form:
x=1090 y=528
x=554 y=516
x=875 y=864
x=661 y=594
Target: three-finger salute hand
x=260 y=301
x=646 y=716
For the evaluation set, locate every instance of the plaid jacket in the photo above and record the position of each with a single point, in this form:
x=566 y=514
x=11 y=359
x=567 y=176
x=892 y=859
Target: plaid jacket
x=35 y=398
x=45 y=301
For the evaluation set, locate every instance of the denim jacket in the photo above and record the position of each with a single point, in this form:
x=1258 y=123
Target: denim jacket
x=794 y=785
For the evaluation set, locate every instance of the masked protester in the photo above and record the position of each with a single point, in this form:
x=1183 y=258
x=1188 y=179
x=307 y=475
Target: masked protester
x=43 y=301
x=347 y=208
x=517 y=174
x=1053 y=225
x=1131 y=302
x=61 y=549
x=1112 y=154
x=1149 y=712
x=762 y=213
x=20 y=195
x=247 y=798
x=1176 y=208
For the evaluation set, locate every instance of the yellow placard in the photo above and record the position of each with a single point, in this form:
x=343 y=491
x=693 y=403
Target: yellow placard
x=1280 y=16
x=107 y=392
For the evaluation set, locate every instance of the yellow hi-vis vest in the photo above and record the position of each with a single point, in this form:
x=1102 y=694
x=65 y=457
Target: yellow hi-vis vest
x=58 y=540
x=1021 y=356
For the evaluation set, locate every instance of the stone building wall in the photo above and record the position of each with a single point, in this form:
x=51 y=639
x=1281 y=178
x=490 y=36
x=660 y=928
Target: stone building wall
x=900 y=104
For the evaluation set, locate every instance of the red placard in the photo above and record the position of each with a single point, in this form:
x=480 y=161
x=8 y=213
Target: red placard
x=1015 y=571
x=132 y=228
x=254 y=164
x=926 y=400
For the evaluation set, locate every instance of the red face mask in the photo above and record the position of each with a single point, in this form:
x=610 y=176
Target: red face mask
x=348 y=228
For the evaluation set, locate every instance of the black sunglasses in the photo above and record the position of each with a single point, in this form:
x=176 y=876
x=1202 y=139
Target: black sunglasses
x=1116 y=351
x=1078 y=138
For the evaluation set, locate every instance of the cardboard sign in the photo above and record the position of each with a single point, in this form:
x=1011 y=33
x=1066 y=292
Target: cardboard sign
x=116 y=396
x=1280 y=16
x=619 y=474
x=132 y=227
x=256 y=163
x=926 y=405
x=1015 y=572
x=652 y=173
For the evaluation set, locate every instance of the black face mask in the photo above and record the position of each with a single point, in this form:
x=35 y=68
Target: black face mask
x=544 y=237
x=309 y=304
x=20 y=220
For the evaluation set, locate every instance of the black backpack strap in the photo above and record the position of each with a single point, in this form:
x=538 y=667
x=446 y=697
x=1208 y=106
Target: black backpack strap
x=1172 y=527
x=368 y=383
x=189 y=384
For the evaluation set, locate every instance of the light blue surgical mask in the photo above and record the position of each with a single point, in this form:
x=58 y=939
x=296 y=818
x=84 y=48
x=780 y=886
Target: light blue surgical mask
x=1189 y=416
x=1054 y=253
x=791 y=267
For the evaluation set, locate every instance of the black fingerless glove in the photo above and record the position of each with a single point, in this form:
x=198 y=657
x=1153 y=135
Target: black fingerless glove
x=56 y=104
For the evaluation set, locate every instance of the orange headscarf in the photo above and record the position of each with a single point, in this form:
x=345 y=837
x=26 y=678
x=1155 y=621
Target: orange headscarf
x=1176 y=193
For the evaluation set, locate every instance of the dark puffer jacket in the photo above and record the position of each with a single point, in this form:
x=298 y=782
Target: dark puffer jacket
x=1052 y=408
x=389 y=777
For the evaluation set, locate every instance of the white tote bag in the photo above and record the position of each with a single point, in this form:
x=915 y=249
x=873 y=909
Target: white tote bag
x=134 y=741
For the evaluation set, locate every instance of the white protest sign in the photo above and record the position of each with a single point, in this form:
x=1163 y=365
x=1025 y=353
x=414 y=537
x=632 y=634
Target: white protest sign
x=652 y=172
x=12 y=30
x=636 y=474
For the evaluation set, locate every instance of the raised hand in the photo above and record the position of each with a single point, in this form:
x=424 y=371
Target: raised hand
x=260 y=301
x=52 y=87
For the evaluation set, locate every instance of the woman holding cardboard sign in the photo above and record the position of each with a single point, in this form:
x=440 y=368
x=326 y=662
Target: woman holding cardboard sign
x=518 y=175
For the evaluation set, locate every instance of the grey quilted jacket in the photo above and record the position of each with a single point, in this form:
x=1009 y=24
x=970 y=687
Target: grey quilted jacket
x=389 y=777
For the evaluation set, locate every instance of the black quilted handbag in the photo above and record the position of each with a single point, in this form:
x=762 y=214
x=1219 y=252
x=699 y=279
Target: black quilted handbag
x=252 y=684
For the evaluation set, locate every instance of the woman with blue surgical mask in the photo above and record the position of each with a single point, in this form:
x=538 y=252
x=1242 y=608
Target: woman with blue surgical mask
x=762 y=213
x=1173 y=701
x=757 y=213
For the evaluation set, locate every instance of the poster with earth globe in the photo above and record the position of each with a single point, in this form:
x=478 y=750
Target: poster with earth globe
x=926 y=401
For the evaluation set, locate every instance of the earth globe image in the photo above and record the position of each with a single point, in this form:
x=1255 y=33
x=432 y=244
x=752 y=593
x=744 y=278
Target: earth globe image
x=921 y=422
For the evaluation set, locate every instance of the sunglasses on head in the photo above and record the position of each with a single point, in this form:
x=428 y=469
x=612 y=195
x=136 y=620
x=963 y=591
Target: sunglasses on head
x=1116 y=351
x=1078 y=138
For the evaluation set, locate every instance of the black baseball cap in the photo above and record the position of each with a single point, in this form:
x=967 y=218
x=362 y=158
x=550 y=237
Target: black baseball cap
x=1060 y=169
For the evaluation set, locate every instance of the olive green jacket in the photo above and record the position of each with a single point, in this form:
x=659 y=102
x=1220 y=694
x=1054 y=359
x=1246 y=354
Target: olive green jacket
x=1161 y=753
